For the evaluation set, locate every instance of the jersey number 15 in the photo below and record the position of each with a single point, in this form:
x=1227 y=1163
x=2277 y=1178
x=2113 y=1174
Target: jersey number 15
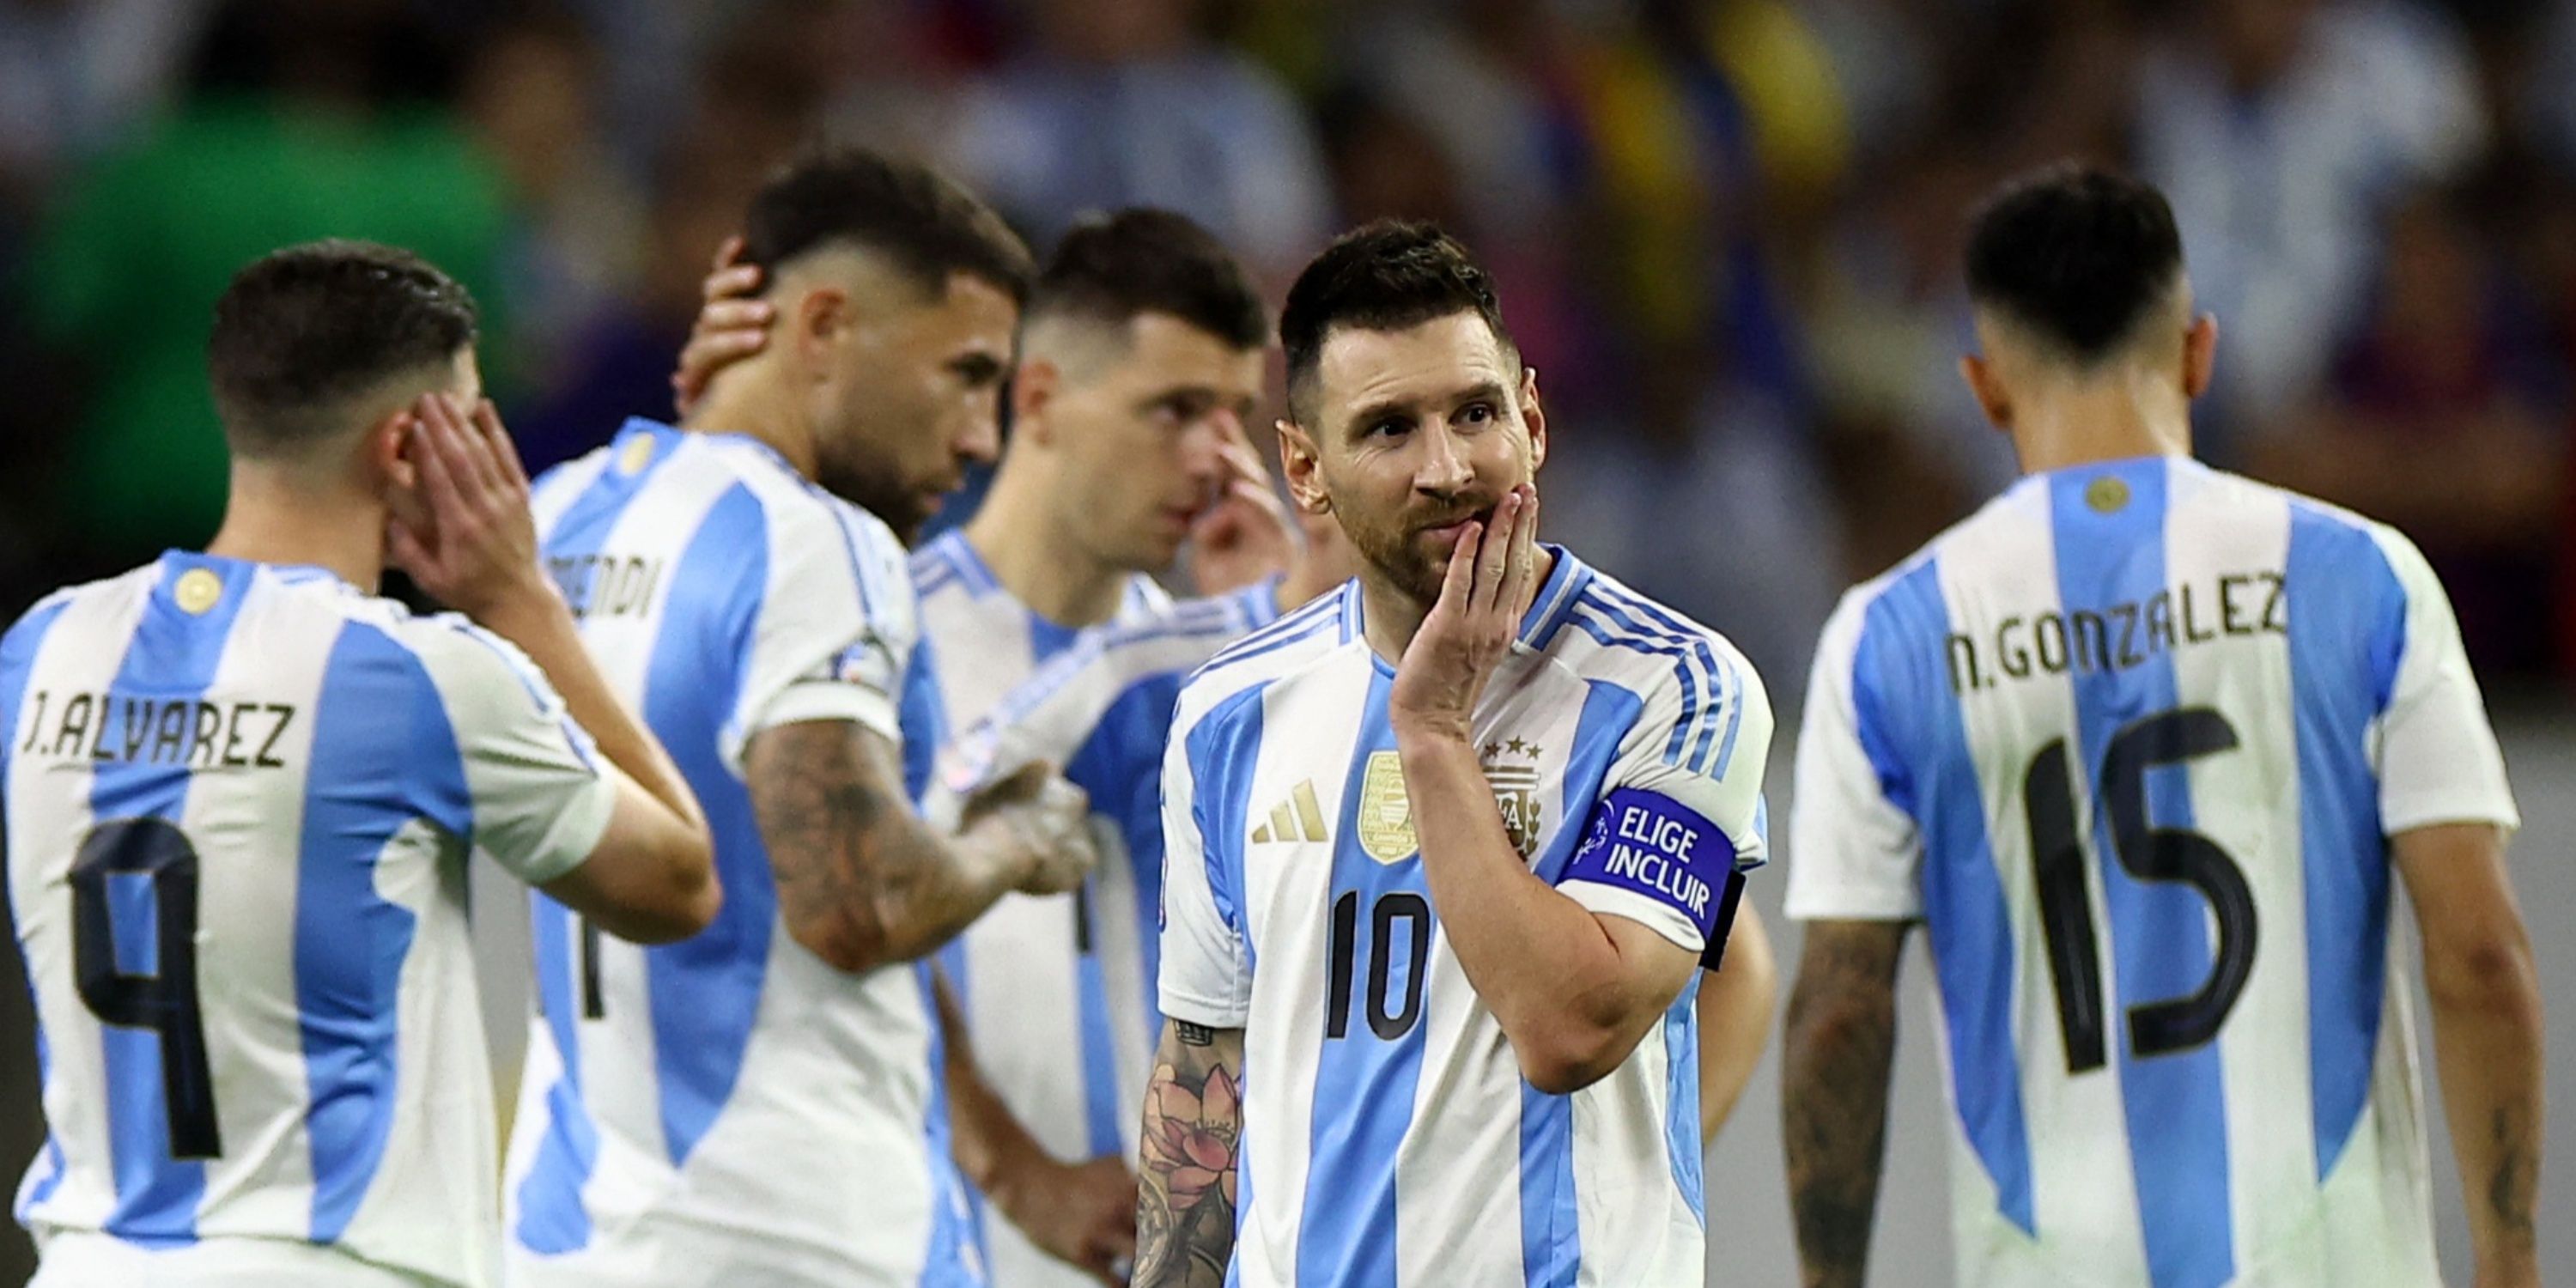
x=2148 y=853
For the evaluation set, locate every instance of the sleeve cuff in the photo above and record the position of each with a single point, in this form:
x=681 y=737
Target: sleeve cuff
x=1653 y=914
x=1180 y=1005
x=575 y=833
x=2405 y=813
x=820 y=700
x=1811 y=902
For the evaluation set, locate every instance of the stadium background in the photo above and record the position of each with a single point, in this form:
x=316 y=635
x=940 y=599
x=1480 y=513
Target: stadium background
x=1725 y=232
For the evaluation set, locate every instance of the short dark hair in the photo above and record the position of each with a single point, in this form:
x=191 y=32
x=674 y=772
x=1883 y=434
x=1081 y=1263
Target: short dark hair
x=303 y=328
x=1143 y=260
x=2079 y=255
x=1386 y=276
x=913 y=215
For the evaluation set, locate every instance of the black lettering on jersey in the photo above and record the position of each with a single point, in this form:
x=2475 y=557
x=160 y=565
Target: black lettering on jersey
x=267 y=758
x=201 y=748
x=69 y=740
x=36 y=721
x=170 y=736
x=2160 y=621
x=2191 y=631
x=2128 y=615
x=2091 y=640
x=2230 y=619
x=2050 y=626
x=138 y=730
x=2016 y=658
x=2276 y=615
x=1961 y=653
x=233 y=757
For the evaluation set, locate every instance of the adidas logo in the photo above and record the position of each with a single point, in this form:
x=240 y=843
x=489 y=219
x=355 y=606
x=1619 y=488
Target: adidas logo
x=1298 y=818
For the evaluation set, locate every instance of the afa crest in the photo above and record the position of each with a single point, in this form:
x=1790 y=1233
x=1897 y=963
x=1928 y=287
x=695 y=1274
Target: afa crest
x=1511 y=768
x=1386 y=813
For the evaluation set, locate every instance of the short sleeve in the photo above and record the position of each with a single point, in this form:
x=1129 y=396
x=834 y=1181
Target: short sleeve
x=1206 y=972
x=2438 y=759
x=540 y=793
x=1853 y=853
x=832 y=634
x=1680 y=813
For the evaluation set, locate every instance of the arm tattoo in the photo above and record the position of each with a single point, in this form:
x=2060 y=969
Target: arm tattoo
x=1192 y=1139
x=861 y=881
x=1840 y=1041
x=2514 y=1177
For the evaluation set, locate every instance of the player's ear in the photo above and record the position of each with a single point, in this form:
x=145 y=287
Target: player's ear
x=1302 y=467
x=821 y=317
x=2199 y=355
x=1979 y=371
x=1033 y=385
x=1533 y=418
x=386 y=452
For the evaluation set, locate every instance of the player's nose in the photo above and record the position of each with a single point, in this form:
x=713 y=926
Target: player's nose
x=1442 y=467
x=978 y=441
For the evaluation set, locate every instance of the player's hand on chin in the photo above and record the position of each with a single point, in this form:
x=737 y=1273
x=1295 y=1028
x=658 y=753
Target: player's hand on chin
x=1080 y=1213
x=463 y=531
x=1470 y=629
x=1246 y=535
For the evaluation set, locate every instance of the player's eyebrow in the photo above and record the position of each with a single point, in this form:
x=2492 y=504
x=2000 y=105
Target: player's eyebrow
x=1404 y=408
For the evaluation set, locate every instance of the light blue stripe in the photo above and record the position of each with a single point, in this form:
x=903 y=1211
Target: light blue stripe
x=1563 y=609
x=1101 y=1110
x=383 y=754
x=1610 y=633
x=1682 y=634
x=2175 y=1103
x=921 y=716
x=1304 y=624
x=2347 y=632
x=1223 y=749
x=1911 y=727
x=955 y=1223
x=17 y=663
x=1119 y=768
x=1364 y=1084
x=1681 y=1097
x=1551 y=1236
x=172 y=658
x=703 y=993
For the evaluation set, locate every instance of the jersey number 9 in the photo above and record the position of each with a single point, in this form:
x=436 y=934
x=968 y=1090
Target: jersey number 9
x=164 y=999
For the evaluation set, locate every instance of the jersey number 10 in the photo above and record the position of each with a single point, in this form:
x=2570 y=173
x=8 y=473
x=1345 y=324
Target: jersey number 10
x=2148 y=853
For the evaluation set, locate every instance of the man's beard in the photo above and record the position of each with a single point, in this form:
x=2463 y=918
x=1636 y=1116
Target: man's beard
x=875 y=485
x=1401 y=562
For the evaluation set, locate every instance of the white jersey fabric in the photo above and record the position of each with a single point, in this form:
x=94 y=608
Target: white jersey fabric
x=1388 y=1136
x=1079 y=971
x=239 y=802
x=2130 y=742
x=729 y=1109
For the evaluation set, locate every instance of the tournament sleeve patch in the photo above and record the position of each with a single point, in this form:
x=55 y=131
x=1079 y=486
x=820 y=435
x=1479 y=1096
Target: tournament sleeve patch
x=1657 y=847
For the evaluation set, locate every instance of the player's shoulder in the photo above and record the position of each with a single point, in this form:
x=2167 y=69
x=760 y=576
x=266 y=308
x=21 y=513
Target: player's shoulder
x=1602 y=629
x=1300 y=640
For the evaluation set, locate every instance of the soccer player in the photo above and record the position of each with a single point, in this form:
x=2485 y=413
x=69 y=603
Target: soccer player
x=1141 y=353
x=763 y=1104
x=2142 y=745
x=241 y=791
x=1444 y=851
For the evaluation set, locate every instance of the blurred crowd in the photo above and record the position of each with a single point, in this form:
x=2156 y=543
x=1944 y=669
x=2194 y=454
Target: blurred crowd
x=1726 y=230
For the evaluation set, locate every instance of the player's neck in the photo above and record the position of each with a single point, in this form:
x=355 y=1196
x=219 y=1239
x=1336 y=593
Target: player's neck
x=758 y=410
x=1020 y=537
x=277 y=517
x=2088 y=424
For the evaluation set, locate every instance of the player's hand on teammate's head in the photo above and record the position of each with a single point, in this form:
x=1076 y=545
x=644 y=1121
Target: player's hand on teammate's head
x=464 y=531
x=731 y=325
x=1041 y=823
x=1246 y=534
x=1493 y=574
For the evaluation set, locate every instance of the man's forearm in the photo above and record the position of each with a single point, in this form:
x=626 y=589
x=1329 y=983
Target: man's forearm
x=541 y=627
x=2488 y=1047
x=1835 y=1057
x=1192 y=1142
x=1533 y=955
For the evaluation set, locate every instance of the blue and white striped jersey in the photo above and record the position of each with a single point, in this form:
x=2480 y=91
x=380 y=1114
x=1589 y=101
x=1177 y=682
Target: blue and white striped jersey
x=1388 y=1136
x=988 y=642
x=729 y=1109
x=1078 y=970
x=239 y=800
x=2130 y=741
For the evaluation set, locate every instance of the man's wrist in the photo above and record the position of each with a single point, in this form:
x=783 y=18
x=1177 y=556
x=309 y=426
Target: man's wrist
x=525 y=604
x=1429 y=735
